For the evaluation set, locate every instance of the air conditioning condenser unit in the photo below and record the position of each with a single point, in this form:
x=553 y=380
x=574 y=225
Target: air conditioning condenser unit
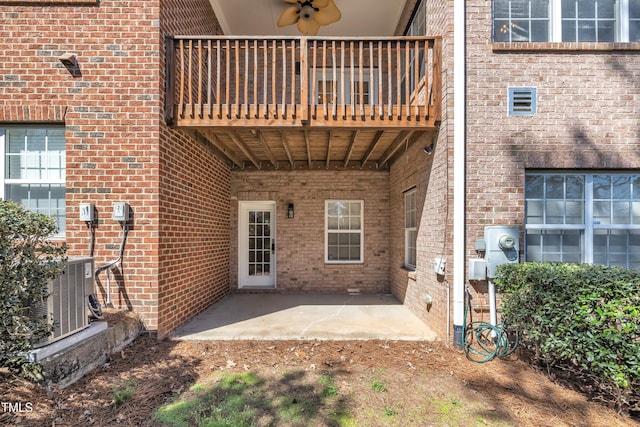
x=66 y=306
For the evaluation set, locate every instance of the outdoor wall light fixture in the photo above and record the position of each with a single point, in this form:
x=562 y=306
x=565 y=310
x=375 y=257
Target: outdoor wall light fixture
x=70 y=61
x=290 y=211
x=428 y=149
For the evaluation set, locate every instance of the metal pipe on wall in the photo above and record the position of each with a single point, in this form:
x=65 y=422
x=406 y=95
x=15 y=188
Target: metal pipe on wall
x=459 y=172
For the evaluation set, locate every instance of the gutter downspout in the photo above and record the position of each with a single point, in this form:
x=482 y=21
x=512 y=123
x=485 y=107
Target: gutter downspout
x=459 y=172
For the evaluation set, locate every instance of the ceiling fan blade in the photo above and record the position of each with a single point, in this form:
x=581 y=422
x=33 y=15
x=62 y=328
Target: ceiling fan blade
x=290 y=1
x=289 y=16
x=328 y=15
x=320 y=3
x=308 y=28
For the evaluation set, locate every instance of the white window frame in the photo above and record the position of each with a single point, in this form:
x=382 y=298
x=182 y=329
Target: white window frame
x=410 y=232
x=4 y=181
x=529 y=20
x=334 y=87
x=589 y=226
x=327 y=232
x=622 y=21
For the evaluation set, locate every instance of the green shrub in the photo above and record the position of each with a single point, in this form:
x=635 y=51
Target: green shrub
x=28 y=260
x=581 y=321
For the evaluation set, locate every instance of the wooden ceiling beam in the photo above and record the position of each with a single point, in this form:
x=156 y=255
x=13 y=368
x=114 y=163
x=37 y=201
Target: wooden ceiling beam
x=329 y=144
x=352 y=144
x=285 y=144
x=237 y=139
x=223 y=149
x=372 y=146
x=266 y=148
x=395 y=146
x=308 y=145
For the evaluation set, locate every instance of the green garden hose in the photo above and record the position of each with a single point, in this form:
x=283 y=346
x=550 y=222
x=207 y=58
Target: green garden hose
x=482 y=341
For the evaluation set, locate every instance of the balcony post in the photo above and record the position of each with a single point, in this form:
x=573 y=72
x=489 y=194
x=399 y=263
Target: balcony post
x=304 y=80
x=436 y=84
x=169 y=80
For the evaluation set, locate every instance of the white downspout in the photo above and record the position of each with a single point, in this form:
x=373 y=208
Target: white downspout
x=459 y=174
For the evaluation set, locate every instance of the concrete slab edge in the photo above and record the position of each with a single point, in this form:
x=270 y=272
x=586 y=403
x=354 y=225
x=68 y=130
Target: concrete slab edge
x=68 y=365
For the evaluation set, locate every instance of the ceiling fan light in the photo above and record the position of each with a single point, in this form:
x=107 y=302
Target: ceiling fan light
x=307 y=12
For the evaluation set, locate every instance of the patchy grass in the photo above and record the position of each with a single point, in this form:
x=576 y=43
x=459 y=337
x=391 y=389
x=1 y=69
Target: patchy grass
x=252 y=398
x=123 y=392
x=378 y=386
x=332 y=398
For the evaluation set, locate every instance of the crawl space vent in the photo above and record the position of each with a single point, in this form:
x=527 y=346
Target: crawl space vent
x=522 y=101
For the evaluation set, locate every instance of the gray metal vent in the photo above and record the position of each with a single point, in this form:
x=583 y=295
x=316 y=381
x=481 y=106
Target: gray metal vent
x=522 y=101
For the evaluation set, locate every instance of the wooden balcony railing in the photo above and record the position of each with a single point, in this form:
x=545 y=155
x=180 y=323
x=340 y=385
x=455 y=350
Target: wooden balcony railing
x=220 y=81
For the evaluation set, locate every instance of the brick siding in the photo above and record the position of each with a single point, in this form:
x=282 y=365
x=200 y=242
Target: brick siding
x=432 y=176
x=115 y=138
x=588 y=101
x=194 y=198
x=300 y=241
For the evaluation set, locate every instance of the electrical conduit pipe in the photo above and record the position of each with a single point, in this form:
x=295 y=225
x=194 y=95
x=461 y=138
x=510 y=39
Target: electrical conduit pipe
x=459 y=173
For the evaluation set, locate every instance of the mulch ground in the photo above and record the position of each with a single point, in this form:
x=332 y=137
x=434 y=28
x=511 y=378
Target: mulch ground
x=163 y=369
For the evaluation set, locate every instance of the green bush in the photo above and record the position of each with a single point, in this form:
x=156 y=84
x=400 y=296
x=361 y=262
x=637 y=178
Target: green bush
x=580 y=321
x=28 y=260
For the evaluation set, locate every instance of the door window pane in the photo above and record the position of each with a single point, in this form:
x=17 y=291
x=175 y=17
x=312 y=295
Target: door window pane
x=259 y=243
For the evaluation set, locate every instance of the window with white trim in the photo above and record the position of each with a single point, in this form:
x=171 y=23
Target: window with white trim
x=566 y=21
x=583 y=218
x=331 y=91
x=344 y=231
x=33 y=170
x=410 y=229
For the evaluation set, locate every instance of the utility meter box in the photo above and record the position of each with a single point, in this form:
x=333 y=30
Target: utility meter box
x=87 y=212
x=477 y=269
x=121 y=212
x=501 y=247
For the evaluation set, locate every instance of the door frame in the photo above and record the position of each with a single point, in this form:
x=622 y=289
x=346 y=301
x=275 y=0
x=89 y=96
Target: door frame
x=244 y=280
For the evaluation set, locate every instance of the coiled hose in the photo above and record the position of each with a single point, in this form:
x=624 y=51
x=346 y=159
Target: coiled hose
x=482 y=341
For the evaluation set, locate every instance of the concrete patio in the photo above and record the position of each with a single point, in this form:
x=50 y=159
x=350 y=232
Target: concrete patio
x=306 y=316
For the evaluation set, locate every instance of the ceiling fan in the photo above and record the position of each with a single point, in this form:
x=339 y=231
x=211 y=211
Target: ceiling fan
x=309 y=15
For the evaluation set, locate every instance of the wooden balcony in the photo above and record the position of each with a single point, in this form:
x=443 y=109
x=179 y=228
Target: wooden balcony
x=270 y=100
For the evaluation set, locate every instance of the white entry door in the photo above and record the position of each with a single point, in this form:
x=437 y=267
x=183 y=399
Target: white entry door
x=257 y=244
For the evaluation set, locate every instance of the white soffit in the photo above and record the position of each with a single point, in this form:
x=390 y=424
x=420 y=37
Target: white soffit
x=360 y=18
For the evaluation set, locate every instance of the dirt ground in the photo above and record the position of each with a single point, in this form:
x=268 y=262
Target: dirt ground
x=507 y=392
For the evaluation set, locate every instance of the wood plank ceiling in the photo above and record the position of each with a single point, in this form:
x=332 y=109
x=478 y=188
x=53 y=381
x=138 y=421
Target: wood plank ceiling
x=300 y=149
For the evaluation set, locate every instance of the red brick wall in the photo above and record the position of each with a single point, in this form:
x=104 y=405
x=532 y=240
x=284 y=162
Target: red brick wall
x=117 y=145
x=427 y=174
x=588 y=117
x=194 y=199
x=194 y=230
x=110 y=114
x=300 y=241
x=433 y=178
